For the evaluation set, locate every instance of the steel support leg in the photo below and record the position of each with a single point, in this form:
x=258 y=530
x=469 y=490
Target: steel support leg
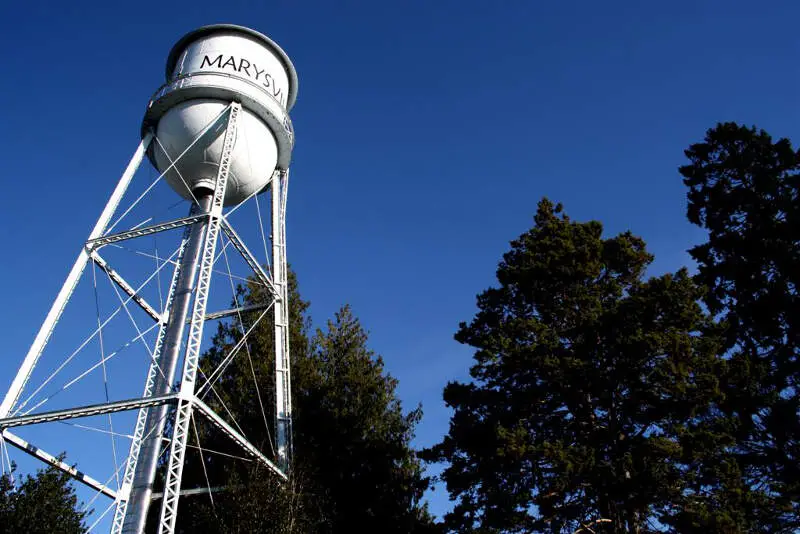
x=153 y=429
x=144 y=424
x=180 y=433
x=283 y=397
x=46 y=330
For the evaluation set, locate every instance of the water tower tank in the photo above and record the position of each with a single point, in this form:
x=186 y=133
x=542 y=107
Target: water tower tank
x=206 y=70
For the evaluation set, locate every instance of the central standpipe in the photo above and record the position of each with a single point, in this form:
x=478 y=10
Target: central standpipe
x=167 y=363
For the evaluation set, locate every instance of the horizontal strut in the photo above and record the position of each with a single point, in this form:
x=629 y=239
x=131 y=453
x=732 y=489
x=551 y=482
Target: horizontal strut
x=193 y=491
x=234 y=311
x=93 y=244
x=87 y=411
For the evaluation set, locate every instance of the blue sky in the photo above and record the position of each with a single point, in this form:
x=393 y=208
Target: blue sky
x=426 y=133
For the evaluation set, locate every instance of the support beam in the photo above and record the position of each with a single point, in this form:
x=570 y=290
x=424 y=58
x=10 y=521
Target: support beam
x=239 y=245
x=36 y=452
x=240 y=440
x=171 y=337
x=125 y=286
x=283 y=388
x=183 y=413
x=87 y=411
x=96 y=243
x=193 y=491
x=235 y=311
x=140 y=432
x=46 y=330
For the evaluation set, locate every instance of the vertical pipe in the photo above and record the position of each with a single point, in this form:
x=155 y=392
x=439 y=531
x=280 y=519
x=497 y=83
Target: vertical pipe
x=142 y=488
x=282 y=410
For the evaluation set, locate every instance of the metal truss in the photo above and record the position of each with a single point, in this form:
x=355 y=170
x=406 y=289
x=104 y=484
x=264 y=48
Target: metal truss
x=46 y=457
x=240 y=440
x=283 y=397
x=87 y=411
x=180 y=433
x=239 y=245
x=221 y=314
x=193 y=491
x=98 y=242
x=189 y=286
x=125 y=286
x=141 y=418
x=46 y=330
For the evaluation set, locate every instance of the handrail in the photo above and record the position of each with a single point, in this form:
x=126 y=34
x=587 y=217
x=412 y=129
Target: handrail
x=161 y=90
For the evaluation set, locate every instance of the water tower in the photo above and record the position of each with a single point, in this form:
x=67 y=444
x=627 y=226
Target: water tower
x=224 y=83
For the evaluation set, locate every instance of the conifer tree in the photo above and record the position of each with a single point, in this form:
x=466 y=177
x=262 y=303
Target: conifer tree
x=353 y=466
x=44 y=503
x=743 y=189
x=588 y=380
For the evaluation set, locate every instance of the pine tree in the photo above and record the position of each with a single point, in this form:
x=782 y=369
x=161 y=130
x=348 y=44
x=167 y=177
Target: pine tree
x=354 y=468
x=743 y=189
x=354 y=439
x=44 y=503
x=587 y=381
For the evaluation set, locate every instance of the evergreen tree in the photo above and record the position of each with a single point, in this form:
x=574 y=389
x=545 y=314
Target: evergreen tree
x=354 y=439
x=743 y=189
x=354 y=469
x=44 y=503
x=588 y=381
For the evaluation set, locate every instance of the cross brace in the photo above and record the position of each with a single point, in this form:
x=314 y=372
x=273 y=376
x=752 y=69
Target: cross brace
x=240 y=440
x=125 y=286
x=221 y=314
x=36 y=452
x=239 y=245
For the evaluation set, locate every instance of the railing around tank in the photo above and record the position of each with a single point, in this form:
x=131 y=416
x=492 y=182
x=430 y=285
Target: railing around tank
x=170 y=86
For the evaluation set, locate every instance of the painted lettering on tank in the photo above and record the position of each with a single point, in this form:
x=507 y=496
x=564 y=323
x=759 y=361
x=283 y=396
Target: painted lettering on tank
x=231 y=62
x=210 y=63
x=244 y=65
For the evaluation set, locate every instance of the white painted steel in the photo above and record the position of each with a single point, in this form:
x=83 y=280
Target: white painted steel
x=283 y=397
x=71 y=470
x=215 y=75
x=183 y=413
x=206 y=69
x=252 y=164
x=240 y=440
x=86 y=411
x=141 y=430
x=125 y=286
x=240 y=55
x=39 y=343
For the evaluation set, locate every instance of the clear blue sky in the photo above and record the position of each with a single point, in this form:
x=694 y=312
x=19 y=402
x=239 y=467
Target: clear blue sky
x=426 y=133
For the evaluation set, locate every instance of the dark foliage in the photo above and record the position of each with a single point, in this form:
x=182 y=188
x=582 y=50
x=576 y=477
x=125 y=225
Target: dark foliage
x=588 y=381
x=44 y=503
x=743 y=189
x=354 y=469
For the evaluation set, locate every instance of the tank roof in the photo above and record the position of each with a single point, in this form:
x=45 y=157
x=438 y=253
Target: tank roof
x=193 y=35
